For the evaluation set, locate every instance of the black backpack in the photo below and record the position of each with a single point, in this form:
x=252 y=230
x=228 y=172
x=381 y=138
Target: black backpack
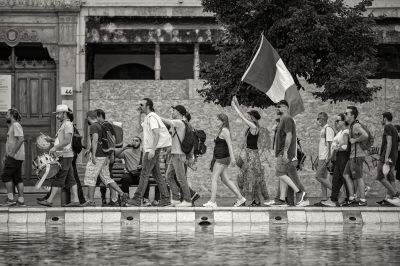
x=200 y=147
x=301 y=157
x=76 y=142
x=107 y=138
x=187 y=143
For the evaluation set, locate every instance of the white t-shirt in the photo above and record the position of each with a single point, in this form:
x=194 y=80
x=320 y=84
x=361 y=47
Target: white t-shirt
x=15 y=131
x=327 y=134
x=338 y=140
x=153 y=121
x=66 y=128
x=180 y=129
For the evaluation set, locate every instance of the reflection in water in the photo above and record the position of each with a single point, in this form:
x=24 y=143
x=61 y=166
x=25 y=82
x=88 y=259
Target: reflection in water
x=189 y=244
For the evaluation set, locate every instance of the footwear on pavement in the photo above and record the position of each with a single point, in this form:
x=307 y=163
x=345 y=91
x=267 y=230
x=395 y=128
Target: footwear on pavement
x=240 y=202
x=210 y=204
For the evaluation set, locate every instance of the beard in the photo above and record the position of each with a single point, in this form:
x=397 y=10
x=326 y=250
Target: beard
x=8 y=121
x=279 y=113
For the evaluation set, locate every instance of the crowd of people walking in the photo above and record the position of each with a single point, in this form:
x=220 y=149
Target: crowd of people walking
x=342 y=150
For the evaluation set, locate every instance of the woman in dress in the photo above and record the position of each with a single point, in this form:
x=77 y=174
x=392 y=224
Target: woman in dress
x=251 y=177
x=223 y=156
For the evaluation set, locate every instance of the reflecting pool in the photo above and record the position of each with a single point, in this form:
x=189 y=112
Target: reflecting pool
x=189 y=244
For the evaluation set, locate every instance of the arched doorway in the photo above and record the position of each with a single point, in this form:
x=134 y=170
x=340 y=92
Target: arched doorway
x=130 y=71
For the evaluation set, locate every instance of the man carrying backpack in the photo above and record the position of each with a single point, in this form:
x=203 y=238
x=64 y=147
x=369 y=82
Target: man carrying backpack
x=98 y=162
x=109 y=137
x=180 y=133
x=354 y=167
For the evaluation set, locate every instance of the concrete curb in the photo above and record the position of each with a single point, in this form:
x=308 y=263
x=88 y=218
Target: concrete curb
x=223 y=215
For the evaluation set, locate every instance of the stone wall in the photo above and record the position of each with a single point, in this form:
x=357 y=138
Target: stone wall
x=120 y=99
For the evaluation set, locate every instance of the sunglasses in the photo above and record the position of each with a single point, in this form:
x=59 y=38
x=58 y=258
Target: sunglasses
x=347 y=113
x=141 y=104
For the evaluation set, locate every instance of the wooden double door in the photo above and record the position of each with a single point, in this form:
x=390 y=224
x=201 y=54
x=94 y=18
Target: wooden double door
x=34 y=95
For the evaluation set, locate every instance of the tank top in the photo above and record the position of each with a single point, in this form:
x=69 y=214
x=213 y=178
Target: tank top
x=221 y=149
x=251 y=140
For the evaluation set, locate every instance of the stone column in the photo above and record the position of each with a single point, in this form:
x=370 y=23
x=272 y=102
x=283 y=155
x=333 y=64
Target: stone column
x=196 y=62
x=157 y=62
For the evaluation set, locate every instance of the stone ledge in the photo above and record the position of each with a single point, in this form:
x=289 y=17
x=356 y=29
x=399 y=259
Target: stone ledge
x=147 y=215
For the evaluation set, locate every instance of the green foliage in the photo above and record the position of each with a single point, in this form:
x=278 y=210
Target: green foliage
x=325 y=42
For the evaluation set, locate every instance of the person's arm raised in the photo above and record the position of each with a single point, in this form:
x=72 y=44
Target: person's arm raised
x=235 y=105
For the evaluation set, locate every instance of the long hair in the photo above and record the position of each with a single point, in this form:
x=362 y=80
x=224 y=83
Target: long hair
x=15 y=114
x=225 y=121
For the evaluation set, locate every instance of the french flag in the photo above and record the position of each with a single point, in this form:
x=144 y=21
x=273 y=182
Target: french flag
x=268 y=73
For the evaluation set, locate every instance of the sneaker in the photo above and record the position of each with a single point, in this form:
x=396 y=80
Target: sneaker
x=133 y=203
x=164 y=203
x=240 y=202
x=394 y=201
x=210 y=204
x=73 y=204
x=329 y=203
x=42 y=198
x=146 y=203
x=45 y=203
x=174 y=203
x=279 y=203
x=269 y=202
x=124 y=198
x=304 y=203
x=155 y=203
x=319 y=204
x=9 y=203
x=184 y=204
x=113 y=204
x=362 y=203
x=20 y=203
x=300 y=196
x=195 y=197
x=255 y=204
x=89 y=204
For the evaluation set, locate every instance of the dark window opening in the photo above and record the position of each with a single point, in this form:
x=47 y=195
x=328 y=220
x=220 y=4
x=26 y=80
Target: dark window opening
x=389 y=61
x=177 y=61
x=31 y=51
x=130 y=71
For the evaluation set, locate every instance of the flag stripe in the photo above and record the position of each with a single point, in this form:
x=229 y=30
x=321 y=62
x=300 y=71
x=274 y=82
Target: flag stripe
x=282 y=81
x=258 y=74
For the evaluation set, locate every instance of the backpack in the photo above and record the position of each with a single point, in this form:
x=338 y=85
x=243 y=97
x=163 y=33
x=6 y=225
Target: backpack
x=200 y=147
x=107 y=138
x=366 y=144
x=301 y=157
x=187 y=143
x=76 y=142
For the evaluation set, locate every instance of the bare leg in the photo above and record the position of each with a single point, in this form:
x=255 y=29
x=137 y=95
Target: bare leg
x=361 y=188
x=283 y=190
x=20 y=188
x=116 y=188
x=74 y=190
x=289 y=182
x=91 y=190
x=53 y=193
x=10 y=187
x=350 y=185
x=389 y=186
x=230 y=184
x=217 y=170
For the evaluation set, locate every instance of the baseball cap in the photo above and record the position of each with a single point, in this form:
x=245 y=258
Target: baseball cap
x=180 y=109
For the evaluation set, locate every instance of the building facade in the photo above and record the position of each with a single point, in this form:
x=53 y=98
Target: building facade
x=101 y=54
